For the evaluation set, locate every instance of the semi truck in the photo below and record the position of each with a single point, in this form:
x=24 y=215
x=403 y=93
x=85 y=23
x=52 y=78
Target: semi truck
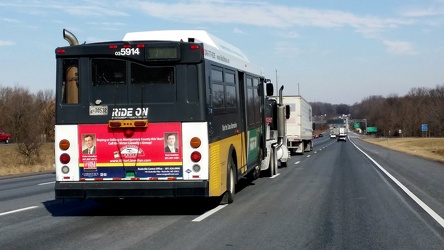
x=299 y=127
x=276 y=115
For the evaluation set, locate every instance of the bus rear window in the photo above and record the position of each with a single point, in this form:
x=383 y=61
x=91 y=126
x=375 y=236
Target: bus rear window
x=108 y=71
x=141 y=74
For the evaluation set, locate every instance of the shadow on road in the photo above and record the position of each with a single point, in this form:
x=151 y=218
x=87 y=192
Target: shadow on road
x=130 y=207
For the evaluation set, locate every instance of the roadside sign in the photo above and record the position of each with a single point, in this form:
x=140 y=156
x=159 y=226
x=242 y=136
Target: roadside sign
x=424 y=127
x=372 y=129
x=357 y=125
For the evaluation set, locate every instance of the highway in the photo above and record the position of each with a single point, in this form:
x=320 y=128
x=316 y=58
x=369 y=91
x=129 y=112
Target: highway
x=343 y=195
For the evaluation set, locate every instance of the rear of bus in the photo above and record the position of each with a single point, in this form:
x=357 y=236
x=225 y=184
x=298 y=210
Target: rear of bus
x=118 y=106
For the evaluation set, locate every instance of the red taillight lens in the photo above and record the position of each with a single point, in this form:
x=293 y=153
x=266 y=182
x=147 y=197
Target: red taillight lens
x=194 y=47
x=113 y=46
x=139 y=123
x=65 y=158
x=196 y=156
x=128 y=132
x=140 y=45
x=115 y=124
x=60 y=51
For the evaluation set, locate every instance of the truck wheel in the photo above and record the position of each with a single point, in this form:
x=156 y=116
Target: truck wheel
x=254 y=175
x=228 y=196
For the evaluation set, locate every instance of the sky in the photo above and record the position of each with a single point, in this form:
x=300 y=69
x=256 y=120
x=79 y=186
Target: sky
x=333 y=51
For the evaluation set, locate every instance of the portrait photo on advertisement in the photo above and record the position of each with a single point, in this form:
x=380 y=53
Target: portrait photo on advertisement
x=89 y=144
x=171 y=143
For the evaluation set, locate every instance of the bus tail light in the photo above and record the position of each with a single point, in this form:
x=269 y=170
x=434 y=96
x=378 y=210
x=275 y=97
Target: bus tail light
x=64 y=144
x=127 y=123
x=195 y=142
x=65 y=169
x=114 y=124
x=194 y=47
x=128 y=132
x=196 y=156
x=140 y=123
x=65 y=158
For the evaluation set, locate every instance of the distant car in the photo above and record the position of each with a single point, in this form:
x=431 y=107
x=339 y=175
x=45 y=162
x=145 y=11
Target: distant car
x=5 y=137
x=321 y=135
x=332 y=136
x=316 y=136
x=341 y=137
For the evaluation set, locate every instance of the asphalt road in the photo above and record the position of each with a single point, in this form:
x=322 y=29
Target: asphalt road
x=335 y=197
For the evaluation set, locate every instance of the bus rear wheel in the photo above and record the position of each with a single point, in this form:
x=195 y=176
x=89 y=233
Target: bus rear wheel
x=228 y=196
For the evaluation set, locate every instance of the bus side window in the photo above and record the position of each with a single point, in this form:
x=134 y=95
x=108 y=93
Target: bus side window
x=71 y=88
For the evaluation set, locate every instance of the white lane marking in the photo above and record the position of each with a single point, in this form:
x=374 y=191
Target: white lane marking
x=274 y=176
x=424 y=206
x=18 y=210
x=208 y=213
x=297 y=162
x=308 y=156
x=46 y=183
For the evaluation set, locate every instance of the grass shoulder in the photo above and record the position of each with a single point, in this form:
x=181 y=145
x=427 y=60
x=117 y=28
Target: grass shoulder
x=429 y=148
x=12 y=163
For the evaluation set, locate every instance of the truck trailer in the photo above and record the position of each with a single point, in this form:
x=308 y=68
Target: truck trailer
x=299 y=127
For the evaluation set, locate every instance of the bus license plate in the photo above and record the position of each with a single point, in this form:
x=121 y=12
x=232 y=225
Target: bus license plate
x=98 y=110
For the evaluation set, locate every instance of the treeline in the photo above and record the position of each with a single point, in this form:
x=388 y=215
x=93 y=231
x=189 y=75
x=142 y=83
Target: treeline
x=29 y=118
x=395 y=114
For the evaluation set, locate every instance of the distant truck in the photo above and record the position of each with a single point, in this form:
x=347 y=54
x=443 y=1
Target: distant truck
x=299 y=126
x=276 y=116
x=334 y=132
x=342 y=131
x=5 y=137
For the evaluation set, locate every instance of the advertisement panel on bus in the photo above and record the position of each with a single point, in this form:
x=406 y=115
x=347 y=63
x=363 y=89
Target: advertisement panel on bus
x=112 y=153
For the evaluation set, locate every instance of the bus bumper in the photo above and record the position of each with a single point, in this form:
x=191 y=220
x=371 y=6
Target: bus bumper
x=131 y=189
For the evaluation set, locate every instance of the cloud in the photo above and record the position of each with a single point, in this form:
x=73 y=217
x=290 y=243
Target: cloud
x=399 y=47
x=238 y=31
x=436 y=8
x=287 y=49
x=265 y=14
x=83 y=8
x=6 y=43
x=11 y=20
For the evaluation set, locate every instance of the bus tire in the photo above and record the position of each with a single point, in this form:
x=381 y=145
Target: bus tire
x=228 y=196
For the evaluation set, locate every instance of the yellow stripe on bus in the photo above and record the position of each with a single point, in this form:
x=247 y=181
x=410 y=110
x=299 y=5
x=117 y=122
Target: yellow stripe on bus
x=219 y=151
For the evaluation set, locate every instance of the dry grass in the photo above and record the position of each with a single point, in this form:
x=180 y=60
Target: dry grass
x=11 y=162
x=429 y=148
